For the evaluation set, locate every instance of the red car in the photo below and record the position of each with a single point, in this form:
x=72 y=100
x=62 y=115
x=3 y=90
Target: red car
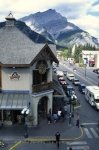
x=62 y=81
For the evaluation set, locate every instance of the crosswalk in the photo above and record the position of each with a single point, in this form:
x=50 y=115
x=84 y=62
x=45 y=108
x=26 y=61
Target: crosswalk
x=77 y=145
x=91 y=132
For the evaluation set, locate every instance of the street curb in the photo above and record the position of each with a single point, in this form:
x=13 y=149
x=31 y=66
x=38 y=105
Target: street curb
x=14 y=146
x=52 y=139
x=44 y=140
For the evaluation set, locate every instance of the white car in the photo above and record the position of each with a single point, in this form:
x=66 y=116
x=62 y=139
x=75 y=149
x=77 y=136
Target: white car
x=70 y=76
x=76 y=81
x=60 y=73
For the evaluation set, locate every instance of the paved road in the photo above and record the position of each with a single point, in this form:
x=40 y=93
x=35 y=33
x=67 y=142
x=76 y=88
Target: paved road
x=88 y=118
x=88 y=115
x=91 y=77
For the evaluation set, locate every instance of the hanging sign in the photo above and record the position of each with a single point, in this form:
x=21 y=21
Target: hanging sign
x=14 y=75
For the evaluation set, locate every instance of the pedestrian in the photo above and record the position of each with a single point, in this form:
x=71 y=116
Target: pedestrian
x=57 y=135
x=77 y=121
x=49 y=118
x=55 y=117
x=59 y=114
x=70 y=148
x=63 y=115
x=65 y=109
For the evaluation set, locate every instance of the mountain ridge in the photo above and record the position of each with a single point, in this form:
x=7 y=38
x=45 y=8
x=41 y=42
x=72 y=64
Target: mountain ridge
x=56 y=28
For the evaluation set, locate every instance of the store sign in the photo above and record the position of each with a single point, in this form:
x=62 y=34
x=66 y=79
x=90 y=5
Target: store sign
x=14 y=75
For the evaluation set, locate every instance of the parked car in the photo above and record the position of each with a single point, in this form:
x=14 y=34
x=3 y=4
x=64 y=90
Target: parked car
x=69 y=90
x=60 y=73
x=76 y=81
x=65 y=72
x=82 y=88
x=62 y=82
x=60 y=78
x=96 y=71
x=70 y=76
x=74 y=69
x=91 y=63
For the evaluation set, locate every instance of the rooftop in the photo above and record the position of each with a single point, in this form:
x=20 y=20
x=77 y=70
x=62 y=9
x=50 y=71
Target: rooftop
x=16 y=48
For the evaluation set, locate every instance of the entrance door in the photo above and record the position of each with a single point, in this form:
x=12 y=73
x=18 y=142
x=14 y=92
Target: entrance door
x=17 y=116
x=42 y=108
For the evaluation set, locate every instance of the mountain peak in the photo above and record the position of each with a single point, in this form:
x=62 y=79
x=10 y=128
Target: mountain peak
x=51 y=11
x=52 y=24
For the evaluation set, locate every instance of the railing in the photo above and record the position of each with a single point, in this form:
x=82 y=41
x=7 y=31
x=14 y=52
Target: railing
x=42 y=87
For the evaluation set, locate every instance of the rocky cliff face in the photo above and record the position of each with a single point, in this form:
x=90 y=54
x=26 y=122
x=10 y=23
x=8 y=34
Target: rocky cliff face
x=57 y=29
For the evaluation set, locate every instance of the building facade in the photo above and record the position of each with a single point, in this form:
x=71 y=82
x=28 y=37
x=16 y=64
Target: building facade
x=25 y=76
x=90 y=57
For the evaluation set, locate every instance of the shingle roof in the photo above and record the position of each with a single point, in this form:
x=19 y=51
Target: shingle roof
x=16 y=47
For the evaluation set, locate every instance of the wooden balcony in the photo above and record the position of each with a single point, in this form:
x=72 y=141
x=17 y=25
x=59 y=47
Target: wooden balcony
x=42 y=87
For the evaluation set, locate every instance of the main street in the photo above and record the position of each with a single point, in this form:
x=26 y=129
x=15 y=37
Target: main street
x=89 y=116
x=88 y=113
x=86 y=75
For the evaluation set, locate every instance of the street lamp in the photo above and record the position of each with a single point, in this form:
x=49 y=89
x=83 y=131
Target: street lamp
x=72 y=100
x=70 y=112
x=25 y=112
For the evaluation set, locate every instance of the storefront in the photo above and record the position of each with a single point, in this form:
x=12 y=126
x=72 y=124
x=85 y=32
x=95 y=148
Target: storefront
x=11 y=106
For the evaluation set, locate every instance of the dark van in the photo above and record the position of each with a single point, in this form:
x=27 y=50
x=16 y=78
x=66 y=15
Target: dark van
x=82 y=88
x=69 y=90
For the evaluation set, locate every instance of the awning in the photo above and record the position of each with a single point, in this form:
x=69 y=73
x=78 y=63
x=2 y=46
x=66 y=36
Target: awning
x=14 y=101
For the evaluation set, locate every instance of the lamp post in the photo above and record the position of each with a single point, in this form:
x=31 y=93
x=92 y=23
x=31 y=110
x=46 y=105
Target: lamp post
x=70 y=115
x=72 y=100
x=25 y=112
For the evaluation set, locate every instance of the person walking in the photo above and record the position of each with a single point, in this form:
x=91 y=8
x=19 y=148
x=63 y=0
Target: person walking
x=70 y=148
x=57 y=135
x=77 y=121
x=59 y=114
x=49 y=118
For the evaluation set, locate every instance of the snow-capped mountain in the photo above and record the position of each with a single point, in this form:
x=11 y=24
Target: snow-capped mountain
x=35 y=26
x=56 y=28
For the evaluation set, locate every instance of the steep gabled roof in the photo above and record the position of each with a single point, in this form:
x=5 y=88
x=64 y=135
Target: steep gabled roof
x=47 y=52
x=16 y=48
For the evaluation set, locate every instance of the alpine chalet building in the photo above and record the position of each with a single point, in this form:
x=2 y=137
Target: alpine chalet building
x=25 y=76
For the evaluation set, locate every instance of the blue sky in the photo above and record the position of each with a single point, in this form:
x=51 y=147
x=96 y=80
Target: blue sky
x=83 y=13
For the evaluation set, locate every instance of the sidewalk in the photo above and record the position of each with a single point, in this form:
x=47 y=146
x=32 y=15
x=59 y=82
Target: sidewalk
x=44 y=130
